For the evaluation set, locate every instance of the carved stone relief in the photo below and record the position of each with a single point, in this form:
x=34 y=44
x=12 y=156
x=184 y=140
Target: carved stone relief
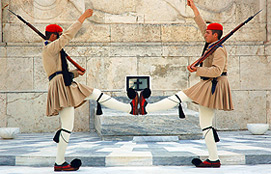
x=138 y=11
x=129 y=11
x=43 y=10
x=51 y=10
x=160 y=11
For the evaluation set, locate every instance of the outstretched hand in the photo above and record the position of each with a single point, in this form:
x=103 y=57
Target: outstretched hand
x=88 y=13
x=192 y=68
x=80 y=72
x=191 y=4
x=188 y=3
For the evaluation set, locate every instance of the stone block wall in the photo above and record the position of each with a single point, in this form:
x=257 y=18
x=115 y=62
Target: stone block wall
x=133 y=37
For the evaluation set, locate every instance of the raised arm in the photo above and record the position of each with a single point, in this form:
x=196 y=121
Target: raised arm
x=198 y=19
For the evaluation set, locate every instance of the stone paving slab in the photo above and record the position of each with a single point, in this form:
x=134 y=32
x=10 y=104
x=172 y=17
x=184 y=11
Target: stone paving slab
x=39 y=150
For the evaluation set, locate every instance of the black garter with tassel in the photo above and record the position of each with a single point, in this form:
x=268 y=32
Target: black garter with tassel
x=181 y=113
x=214 y=132
x=99 y=108
x=57 y=135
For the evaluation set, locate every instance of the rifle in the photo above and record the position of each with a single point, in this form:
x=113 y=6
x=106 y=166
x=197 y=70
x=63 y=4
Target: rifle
x=191 y=67
x=43 y=37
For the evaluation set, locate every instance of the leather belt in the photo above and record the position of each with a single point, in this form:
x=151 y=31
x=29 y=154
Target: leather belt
x=214 y=81
x=54 y=74
x=207 y=78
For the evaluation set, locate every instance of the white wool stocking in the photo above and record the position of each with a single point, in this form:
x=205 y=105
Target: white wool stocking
x=206 y=116
x=167 y=103
x=67 y=119
x=109 y=102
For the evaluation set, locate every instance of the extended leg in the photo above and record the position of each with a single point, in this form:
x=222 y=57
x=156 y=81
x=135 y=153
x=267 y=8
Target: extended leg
x=167 y=103
x=109 y=101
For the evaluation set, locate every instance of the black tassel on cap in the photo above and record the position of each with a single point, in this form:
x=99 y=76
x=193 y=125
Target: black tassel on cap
x=99 y=108
x=181 y=113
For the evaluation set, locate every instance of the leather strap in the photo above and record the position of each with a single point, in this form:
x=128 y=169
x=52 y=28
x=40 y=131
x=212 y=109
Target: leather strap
x=54 y=74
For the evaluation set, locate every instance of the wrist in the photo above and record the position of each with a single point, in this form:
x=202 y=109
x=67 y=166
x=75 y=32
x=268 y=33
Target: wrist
x=81 y=19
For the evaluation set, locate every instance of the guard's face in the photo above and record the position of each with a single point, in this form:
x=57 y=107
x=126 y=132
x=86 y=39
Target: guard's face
x=210 y=37
x=53 y=37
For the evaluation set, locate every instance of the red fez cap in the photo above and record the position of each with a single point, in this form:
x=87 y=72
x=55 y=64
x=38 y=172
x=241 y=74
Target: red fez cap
x=53 y=28
x=215 y=26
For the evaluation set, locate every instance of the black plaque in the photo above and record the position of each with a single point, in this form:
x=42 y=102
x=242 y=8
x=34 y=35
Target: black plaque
x=138 y=83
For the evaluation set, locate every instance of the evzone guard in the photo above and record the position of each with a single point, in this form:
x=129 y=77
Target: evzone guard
x=211 y=93
x=64 y=94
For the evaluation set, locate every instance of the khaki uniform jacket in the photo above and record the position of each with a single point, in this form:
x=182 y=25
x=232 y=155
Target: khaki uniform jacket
x=212 y=67
x=59 y=95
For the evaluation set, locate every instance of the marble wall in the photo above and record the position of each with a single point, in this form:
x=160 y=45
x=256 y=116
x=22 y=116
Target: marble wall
x=133 y=37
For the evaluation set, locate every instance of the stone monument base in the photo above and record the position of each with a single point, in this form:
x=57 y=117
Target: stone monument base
x=115 y=125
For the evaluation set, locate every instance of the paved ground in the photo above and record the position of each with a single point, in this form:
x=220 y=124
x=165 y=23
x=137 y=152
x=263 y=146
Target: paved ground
x=38 y=150
x=227 y=169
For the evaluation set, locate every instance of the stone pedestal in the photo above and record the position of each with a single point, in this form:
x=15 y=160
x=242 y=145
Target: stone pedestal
x=115 y=125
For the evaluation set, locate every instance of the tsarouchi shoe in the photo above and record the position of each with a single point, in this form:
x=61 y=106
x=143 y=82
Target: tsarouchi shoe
x=132 y=94
x=64 y=167
x=142 y=100
x=74 y=166
x=207 y=163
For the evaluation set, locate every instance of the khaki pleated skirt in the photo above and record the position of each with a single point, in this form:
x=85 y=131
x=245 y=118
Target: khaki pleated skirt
x=201 y=94
x=60 y=96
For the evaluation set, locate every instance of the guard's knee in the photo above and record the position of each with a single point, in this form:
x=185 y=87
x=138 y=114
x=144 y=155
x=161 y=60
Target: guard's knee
x=96 y=93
